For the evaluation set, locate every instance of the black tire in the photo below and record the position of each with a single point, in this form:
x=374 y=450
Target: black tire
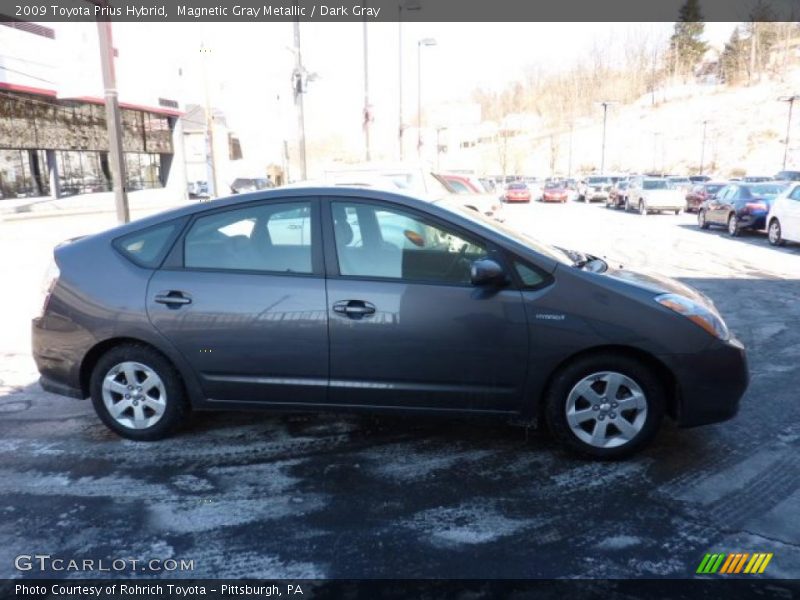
x=733 y=226
x=775 y=234
x=678 y=211
x=176 y=405
x=556 y=397
x=701 y=220
x=642 y=208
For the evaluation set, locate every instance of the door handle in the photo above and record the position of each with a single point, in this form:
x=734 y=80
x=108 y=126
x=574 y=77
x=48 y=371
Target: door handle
x=354 y=308
x=172 y=299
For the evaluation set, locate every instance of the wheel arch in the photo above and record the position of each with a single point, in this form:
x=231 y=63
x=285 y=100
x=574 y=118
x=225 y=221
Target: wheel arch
x=98 y=350
x=662 y=372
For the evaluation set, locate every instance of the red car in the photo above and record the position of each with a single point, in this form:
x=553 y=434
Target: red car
x=554 y=193
x=700 y=193
x=517 y=192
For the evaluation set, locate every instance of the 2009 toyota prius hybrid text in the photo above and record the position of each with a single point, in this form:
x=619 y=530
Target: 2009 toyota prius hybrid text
x=357 y=299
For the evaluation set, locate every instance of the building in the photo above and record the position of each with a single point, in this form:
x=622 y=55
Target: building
x=53 y=137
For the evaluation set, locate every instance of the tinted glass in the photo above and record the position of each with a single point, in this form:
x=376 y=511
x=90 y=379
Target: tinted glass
x=654 y=184
x=147 y=247
x=795 y=195
x=458 y=187
x=372 y=241
x=530 y=277
x=272 y=238
x=517 y=186
x=598 y=180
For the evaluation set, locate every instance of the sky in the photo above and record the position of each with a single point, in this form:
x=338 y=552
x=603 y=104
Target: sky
x=249 y=68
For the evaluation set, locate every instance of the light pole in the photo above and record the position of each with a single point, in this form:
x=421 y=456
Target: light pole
x=408 y=5
x=298 y=83
x=113 y=120
x=605 y=104
x=790 y=100
x=703 y=148
x=420 y=44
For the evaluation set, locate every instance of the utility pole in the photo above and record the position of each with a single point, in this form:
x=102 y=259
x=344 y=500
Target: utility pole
x=420 y=44
x=113 y=121
x=605 y=104
x=790 y=99
x=299 y=84
x=367 y=115
x=211 y=156
x=569 y=161
x=703 y=148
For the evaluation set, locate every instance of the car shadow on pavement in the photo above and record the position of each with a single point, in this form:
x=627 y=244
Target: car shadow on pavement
x=756 y=238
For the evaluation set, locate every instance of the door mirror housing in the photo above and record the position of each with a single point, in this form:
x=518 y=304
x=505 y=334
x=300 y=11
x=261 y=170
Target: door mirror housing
x=487 y=272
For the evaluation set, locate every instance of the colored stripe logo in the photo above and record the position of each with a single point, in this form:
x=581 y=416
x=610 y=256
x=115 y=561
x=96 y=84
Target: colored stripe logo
x=734 y=562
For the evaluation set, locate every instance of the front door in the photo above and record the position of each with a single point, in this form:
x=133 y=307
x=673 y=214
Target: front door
x=407 y=328
x=247 y=309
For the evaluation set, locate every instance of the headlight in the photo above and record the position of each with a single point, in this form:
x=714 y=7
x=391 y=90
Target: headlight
x=697 y=313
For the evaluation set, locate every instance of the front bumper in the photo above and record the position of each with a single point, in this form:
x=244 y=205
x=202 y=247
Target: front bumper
x=710 y=383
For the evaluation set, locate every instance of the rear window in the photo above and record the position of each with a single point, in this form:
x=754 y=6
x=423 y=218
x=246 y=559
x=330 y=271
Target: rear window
x=147 y=247
x=517 y=186
x=654 y=184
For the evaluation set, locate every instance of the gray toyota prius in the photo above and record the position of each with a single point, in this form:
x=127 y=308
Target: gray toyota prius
x=364 y=300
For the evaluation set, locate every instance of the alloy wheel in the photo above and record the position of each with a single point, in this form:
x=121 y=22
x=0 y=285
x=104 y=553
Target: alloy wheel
x=134 y=395
x=733 y=225
x=774 y=233
x=606 y=409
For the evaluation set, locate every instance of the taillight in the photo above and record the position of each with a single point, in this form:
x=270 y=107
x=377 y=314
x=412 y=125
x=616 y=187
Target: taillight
x=49 y=281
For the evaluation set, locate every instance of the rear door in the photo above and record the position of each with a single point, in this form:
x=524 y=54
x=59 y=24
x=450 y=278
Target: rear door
x=242 y=296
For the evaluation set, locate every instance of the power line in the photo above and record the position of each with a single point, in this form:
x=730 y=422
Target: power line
x=10 y=70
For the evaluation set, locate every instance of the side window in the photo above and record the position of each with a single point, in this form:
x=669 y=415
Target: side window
x=795 y=195
x=271 y=238
x=147 y=247
x=530 y=277
x=372 y=241
x=458 y=187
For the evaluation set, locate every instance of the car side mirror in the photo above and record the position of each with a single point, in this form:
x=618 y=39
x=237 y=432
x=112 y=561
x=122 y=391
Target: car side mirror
x=487 y=272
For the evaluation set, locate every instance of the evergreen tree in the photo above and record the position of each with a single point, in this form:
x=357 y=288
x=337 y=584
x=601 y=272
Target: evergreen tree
x=686 y=44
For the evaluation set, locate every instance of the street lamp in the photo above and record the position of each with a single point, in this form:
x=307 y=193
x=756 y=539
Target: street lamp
x=605 y=104
x=408 y=5
x=790 y=100
x=420 y=44
x=703 y=148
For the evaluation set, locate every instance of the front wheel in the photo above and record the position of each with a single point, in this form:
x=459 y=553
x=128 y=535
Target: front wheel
x=774 y=234
x=701 y=220
x=605 y=406
x=137 y=393
x=678 y=211
x=642 y=208
x=627 y=205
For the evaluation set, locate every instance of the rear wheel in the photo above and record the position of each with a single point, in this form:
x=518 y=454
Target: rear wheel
x=774 y=234
x=733 y=226
x=137 y=393
x=605 y=406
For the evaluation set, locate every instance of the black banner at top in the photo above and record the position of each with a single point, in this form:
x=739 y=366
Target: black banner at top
x=264 y=11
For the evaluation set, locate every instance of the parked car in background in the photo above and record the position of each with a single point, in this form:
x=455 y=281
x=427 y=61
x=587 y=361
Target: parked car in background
x=740 y=206
x=242 y=185
x=597 y=188
x=359 y=299
x=647 y=195
x=787 y=176
x=699 y=178
x=572 y=189
x=783 y=220
x=462 y=184
x=618 y=194
x=700 y=193
x=757 y=178
x=678 y=182
x=554 y=191
x=517 y=191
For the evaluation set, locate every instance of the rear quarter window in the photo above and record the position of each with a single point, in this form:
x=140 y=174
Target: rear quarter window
x=147 y=247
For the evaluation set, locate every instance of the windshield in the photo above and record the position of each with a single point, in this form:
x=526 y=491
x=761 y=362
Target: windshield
x=598 y=180
x=530 y=242
x=517 y=186
x=680 y=181
x=654 y=184
x=768 y=189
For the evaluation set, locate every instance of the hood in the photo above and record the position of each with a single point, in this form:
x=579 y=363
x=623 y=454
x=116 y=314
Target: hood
x=658 y=284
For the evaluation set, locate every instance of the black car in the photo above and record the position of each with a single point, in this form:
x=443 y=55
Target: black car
x=740 y=206
x=363 y=300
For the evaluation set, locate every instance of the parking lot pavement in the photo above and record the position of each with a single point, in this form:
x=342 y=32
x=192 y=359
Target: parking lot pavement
x=342 y=496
